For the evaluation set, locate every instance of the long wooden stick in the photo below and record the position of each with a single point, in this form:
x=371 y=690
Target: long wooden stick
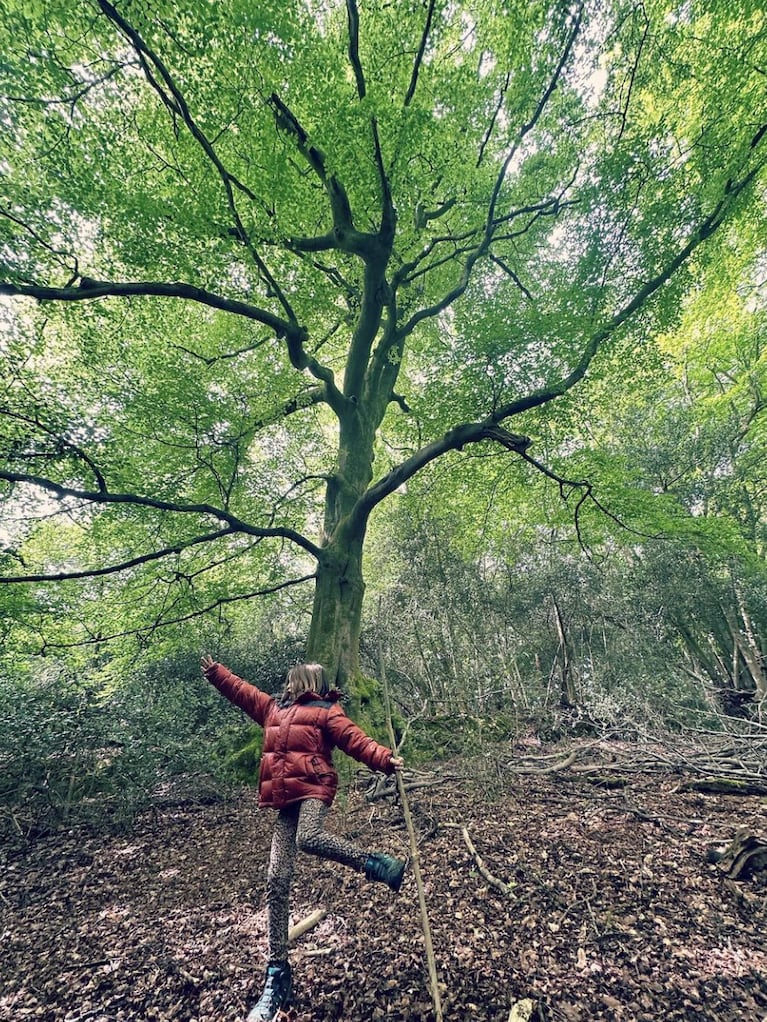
x=415 y=859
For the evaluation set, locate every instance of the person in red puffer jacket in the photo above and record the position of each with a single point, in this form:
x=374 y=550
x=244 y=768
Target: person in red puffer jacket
x=297 y=779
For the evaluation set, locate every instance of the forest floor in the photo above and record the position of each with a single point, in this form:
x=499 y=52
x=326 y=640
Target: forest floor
x=612 y=912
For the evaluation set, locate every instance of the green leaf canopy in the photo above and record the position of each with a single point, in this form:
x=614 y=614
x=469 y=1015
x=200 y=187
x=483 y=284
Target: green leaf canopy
x=287 y=255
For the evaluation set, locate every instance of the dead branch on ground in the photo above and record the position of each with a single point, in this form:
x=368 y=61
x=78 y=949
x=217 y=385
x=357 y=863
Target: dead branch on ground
x=730 y=763
x=494 y=881
x=306 y=924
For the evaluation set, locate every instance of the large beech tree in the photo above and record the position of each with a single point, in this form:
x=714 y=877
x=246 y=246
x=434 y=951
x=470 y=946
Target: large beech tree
x=263 y=262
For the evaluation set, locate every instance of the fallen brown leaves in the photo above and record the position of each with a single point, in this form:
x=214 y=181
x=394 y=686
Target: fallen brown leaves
x=613 y=912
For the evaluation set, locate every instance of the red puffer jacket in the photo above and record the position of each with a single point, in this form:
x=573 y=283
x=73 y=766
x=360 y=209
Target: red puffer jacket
x=296 y=761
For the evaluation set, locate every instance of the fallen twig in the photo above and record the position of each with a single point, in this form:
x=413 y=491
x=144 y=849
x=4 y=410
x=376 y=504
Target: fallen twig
x=308 y=923
x=553 y=769
x=494 y=881
x=382 y=789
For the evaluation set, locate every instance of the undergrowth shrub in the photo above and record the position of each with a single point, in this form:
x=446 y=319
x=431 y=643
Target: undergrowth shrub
x=76 y=750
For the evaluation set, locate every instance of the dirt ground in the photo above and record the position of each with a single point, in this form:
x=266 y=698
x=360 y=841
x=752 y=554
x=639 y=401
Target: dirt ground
x=612 y=910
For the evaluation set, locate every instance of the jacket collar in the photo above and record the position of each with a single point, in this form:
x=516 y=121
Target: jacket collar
x=312 y=697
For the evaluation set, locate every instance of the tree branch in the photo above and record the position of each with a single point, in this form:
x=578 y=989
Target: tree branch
x=90 y=289
x=507 y=889
x=345 y=236
x=528 y=127
x=704 y=231
x=62 y=442
x=510 y=273
x=59 y=255
x=419 y=56
x=175 y=102
x=411 y=271
x=454 y=440
x=193 y=615
x=306 y=399
x=105 y=497
x=322 y=243
x=493 y=119
x=492 y=222
x=353 y=19
x=113 y=569
x=210 y=360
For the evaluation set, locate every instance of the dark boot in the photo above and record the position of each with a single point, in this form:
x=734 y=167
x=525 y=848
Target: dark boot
x=386 y=869
x=276 y=993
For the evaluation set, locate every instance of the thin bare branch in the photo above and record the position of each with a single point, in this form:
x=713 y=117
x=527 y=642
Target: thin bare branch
x=507 y=889
x=224 y=601
x=65 y=446
x=58 y=254
x=493 y=119
x=420 y=55
x=454 y=440
x=510 y=273
x=224 y=356
x=633 y=71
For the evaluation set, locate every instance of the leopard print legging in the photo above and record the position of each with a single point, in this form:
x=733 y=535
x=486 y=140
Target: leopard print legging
x=299 y=827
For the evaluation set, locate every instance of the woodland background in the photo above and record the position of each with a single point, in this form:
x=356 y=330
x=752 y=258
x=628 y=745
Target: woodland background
x=276 y=283
x=239 y=330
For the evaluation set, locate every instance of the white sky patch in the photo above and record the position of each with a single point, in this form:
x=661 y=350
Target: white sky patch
x=683 y=13
x=469 y=29
x=8 y=324
x=596 y=84
x=757 y=286
x=487 y=64
x=30 y=506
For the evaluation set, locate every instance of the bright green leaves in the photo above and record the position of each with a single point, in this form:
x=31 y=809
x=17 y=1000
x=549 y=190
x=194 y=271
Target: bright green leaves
x=543 y=168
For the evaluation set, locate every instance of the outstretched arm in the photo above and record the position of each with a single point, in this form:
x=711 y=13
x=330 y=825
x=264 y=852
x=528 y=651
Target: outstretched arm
x=249 y=698
x=352 y=740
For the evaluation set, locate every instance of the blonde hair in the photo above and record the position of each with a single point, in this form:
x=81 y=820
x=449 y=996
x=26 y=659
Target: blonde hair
x=304 y=678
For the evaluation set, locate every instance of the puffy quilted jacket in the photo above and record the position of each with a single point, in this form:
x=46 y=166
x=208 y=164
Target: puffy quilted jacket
x=296 y=761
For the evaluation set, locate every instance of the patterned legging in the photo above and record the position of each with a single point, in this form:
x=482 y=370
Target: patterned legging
x=299 y=827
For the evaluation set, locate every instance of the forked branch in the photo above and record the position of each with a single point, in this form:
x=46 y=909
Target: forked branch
x=161 y=80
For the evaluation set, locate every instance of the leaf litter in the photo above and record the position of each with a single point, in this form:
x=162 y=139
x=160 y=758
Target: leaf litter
x=612 y=911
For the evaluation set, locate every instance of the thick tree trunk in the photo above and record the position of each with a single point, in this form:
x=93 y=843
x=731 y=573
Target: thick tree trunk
x=334 y=635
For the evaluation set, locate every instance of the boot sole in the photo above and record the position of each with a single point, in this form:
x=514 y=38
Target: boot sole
x=276 y=1015
x=396 y=882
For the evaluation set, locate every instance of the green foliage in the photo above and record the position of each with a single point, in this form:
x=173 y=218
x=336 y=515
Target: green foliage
x=244 y=760
x=441 y=738
x=280 y=253
x=77 y=750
